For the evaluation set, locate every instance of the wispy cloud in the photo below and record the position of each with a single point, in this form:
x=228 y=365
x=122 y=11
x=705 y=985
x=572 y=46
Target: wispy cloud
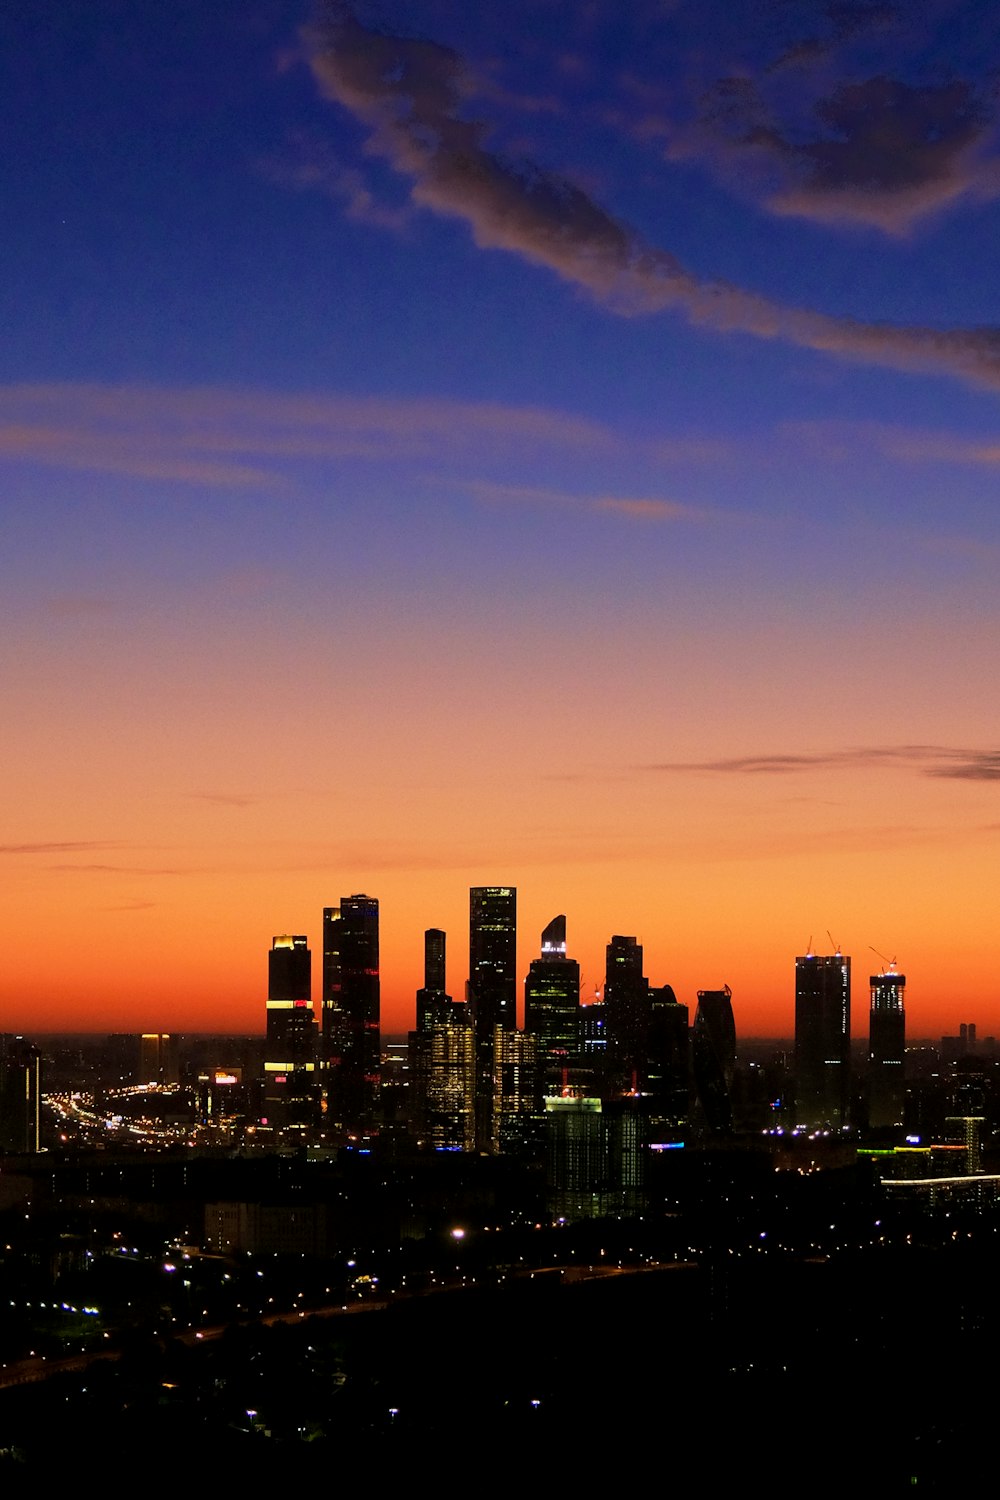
x=943 y=761
x=412 y=96
x=636 y=508
x=310 y=164
x=66 y=846
x=226 y=799
x=841 y=440
x=214 y=437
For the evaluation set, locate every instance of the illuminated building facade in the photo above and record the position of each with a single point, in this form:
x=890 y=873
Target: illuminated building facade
x=492 y=989
x=351 y=1011
x=823 y=1041
x=886 y=1050
x=517 y=1099
x=442 y=1061
x=290 y=1093
x=552 y=1005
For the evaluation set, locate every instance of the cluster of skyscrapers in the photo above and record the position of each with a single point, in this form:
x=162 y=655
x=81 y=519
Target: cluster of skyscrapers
x=476 y=1082
x=823 y=1090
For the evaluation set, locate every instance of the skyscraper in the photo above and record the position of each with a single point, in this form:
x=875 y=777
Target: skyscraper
x=492 y=988
x=713 y=1049
x=433 y=1003
x=886 y=1050
x=552 y=1005
x=442 y=1060
x=20 y=1096
x=351 y=1011
x=823 y=1041
x=625 y=999
x=290 y=1047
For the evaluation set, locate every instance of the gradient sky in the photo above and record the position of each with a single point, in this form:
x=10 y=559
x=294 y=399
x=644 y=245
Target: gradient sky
x=451 y=445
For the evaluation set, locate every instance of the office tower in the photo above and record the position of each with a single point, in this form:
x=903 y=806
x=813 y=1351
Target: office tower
x=625 y=1000
x=516 y=1104
x=290 y=1098
x=823 y=1041
x=667 y=1069
x=351 y=1011
x=442 y=1060
x=433 y=1004
x=713 y=1050
x=20 y=1097
x=159 y=1057
x=886 y=1050
x=552 y=1006
x=575 y=1158
x=492 y=988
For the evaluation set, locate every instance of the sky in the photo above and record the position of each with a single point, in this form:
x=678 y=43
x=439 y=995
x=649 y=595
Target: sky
x=551 y=445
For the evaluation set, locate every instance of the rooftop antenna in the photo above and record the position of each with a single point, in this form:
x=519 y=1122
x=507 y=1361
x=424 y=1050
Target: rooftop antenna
x=889 y=962
x=836 y=946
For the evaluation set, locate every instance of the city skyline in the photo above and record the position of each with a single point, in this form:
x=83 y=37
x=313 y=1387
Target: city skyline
x=432 y=462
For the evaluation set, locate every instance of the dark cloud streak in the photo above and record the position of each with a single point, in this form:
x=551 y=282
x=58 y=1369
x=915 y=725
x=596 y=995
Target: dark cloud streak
x=413 y=97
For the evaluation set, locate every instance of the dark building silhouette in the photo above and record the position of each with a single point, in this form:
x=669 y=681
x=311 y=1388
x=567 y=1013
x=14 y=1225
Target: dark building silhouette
x=492 y=988
x=351 y=1007
x=886 y=1050
x=20 y=1096
x=159 y=1057
x=433 y=1003
x=667 y=1068
x=822 y=1041
x=552 y=1006
x=625 y=1000
x=290 y=1093
x=713 y=1050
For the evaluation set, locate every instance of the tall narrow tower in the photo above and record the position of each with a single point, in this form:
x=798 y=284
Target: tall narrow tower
x=886 y=1050
x=626 y=999
x=290 y=1100
x=823 y=1041
x=351 y=1011
x=552 y=1005
x=492 y=987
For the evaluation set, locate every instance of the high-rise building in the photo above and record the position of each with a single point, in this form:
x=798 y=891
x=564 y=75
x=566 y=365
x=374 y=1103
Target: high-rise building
x=20 y=1096
x=713 y=1050
x=552 y=1005
x=666 y=1079
x=625 y=1000
x=159 y=1057
x=823 y=1041
x=492 y=988
x=433 y=1003
x=442 y=1060
x=290 y=1095
x=517 y=1099
x=351 y=996
x=886 y=1050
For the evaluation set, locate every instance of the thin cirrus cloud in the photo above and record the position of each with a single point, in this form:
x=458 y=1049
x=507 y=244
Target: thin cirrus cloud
x=411 y=96
x=841 y=440
x=942 y=761
x=63 y=846
x=635 y=508
x=215 y=437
